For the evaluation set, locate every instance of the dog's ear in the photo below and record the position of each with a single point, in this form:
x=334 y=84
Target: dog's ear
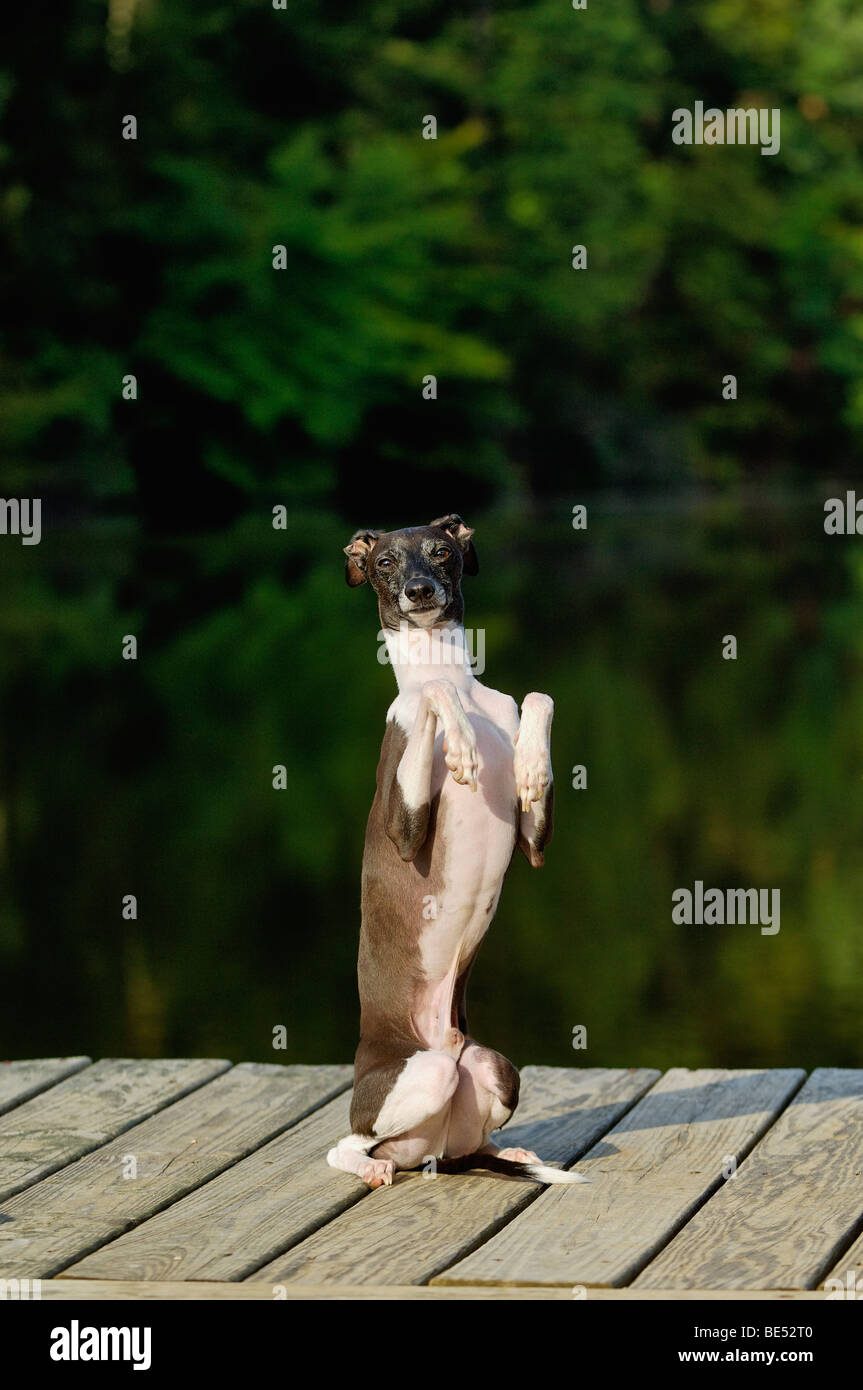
x=461 y=534
x=357 y=552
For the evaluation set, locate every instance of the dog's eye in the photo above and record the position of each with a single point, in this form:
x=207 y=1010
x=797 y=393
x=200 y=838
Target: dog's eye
x=442 y=553
x=384 y=562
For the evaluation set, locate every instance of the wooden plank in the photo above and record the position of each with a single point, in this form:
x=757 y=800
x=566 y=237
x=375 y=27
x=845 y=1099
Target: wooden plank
x=227 y=1228
x=649 y=1175
x=849 y=1269
x=795 y=1202
x=21 y=1080
x=113 y=1290
x=87 y=1110
x=285 y=1191
x=406 y=1233
x=89 y=1202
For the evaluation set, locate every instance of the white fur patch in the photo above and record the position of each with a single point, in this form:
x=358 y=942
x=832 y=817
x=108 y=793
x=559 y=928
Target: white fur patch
x=542 y=1173
x=423 y=1089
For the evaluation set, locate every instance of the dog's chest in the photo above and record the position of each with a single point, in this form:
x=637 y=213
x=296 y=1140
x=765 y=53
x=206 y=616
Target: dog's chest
x=474 y=838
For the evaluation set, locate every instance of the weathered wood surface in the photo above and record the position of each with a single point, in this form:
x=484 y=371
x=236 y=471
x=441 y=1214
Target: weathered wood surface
x=793 y=1205
x=86 y=1110
x=245 y=1216
x=21 y=1080
x=231 y=1196
x=849 y=1267
x=409 y=1232
x=89 y=1202
x=649 y=1175
x=55 y=1290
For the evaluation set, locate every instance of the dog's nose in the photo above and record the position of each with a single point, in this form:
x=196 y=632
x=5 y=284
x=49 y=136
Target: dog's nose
x=418 y=590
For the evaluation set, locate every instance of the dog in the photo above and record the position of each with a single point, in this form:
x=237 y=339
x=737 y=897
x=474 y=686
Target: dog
x=461 y=781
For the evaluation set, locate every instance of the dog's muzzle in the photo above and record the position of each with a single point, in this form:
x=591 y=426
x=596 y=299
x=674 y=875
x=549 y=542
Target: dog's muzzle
x=421 y=598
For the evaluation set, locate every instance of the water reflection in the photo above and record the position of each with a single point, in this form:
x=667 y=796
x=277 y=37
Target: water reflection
x=154 y=779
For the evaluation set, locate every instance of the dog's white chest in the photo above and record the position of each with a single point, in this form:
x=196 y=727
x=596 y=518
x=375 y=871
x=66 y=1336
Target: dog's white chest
x=474 y=841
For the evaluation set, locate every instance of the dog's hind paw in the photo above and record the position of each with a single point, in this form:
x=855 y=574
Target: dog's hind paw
x=519 y=1155
x=378 y=1172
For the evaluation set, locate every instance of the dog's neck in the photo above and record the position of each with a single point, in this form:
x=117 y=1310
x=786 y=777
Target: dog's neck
x=418 y=655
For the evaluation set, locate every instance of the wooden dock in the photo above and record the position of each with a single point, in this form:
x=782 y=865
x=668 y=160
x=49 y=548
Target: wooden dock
x=197 y=1179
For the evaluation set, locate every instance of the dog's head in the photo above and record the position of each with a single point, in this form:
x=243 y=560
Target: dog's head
x=416 y=573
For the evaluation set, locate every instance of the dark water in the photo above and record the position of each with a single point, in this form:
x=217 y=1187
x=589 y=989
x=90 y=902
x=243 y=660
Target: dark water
x=154 y=778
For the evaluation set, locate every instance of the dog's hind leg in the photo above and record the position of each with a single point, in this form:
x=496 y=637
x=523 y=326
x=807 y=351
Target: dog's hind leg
x=410 y=1125
x=486 y=1097
x=351 y=1155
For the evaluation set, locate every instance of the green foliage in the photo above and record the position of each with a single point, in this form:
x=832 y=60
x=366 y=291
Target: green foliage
x=302 y=128
x=405 y=257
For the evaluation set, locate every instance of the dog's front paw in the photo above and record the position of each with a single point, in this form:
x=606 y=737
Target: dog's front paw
x=532 y=768
x=459 y=747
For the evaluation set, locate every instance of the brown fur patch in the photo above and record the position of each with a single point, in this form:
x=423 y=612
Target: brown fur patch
x=407 y=826
x=507 y=1079
x=389 y=969
x=377 y=1070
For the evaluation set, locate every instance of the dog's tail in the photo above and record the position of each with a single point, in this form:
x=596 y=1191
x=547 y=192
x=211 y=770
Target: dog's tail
x=538 y=1172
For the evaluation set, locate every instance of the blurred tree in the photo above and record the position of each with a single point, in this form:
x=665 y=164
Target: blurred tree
x=302 y=128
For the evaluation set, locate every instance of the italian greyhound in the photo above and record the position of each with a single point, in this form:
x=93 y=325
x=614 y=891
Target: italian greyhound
x=461 y=780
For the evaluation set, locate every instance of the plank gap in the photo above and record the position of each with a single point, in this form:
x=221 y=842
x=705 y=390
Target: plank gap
x=711 y=1193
